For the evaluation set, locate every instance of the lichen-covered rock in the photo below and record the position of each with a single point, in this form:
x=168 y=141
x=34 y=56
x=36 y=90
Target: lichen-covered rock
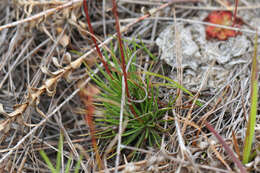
x=196 y=49
x=197 y=52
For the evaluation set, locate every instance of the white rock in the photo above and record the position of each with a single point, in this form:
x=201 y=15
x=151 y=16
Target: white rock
x=197 y=52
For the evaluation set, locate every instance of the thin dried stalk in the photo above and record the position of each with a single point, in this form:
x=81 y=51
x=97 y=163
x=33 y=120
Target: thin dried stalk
x=41 y=14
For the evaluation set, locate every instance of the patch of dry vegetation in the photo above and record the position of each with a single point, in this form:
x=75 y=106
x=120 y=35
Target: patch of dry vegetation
x=43 y=45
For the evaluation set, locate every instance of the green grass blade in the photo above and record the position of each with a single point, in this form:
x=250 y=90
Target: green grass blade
x=67 y=169
x=78 y=164
x=47 y=161
x=130 y=132
x=177 y=85
x=253 y=110
x=60 y=148
x=132 y=137
x=156 y=137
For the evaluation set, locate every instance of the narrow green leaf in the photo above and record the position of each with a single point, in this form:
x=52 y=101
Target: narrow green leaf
x=253 y=109
x=47 y=161
x=67 y=169
x=60 y=148
x=181 y=87
x=78 y=164
x=129 y=132
x=176 y=84
x=132 y=137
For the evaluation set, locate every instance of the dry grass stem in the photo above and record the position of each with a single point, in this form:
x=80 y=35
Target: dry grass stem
x=47 y=58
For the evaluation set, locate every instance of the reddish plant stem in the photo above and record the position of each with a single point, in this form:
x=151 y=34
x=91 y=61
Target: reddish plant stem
x=236 y=146
x=226 y=147
x=123 y=63
x=120 y=46
x=85 y=5
x=87 y=99
x=235 y=13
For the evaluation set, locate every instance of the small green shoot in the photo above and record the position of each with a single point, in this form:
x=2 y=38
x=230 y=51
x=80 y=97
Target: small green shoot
x=253 y=110
x=146 y=129
x=172 y=84
x=48 y=161
x=58 y=159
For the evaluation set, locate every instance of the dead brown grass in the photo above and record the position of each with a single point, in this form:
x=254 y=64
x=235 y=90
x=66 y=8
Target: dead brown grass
x=39 y=79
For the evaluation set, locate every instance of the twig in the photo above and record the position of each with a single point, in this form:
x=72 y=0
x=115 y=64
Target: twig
x=22 y=108
x=229 y=151
x=94 y=39
x=41 y=14
x=122 y=53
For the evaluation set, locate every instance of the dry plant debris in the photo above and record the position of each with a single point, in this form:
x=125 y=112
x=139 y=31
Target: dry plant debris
x=42 y=47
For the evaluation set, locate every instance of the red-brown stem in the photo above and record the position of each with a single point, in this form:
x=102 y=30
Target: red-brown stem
x=85 y=5
x=123 y=59
x=226 y=147
x=236 y=146
x=87 y=99
x=120 y=46
x=235 y=13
